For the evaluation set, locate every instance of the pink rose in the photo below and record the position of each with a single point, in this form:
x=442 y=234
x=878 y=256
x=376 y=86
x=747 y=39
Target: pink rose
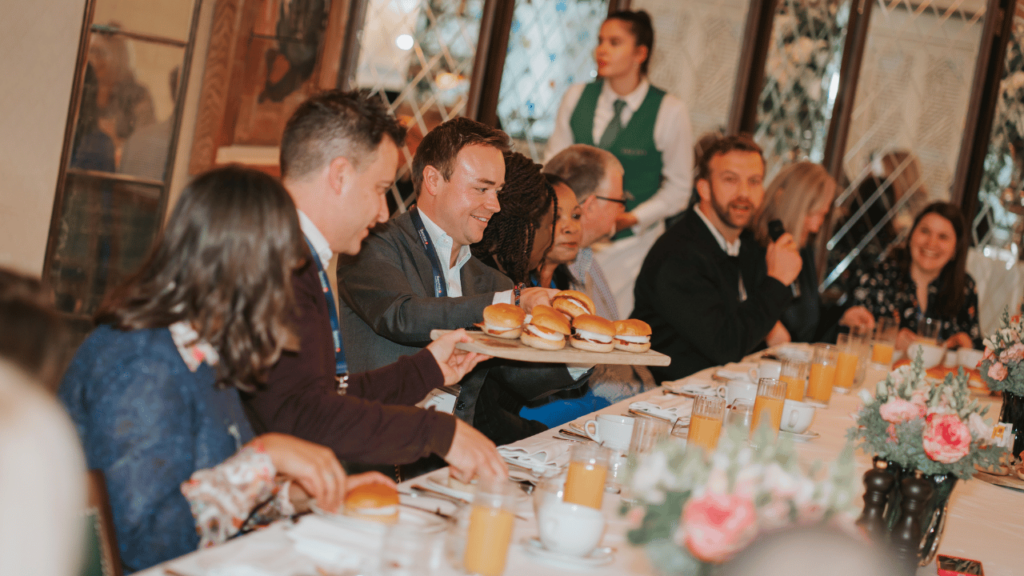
x=1012 y=354
x=946 y=438
x=997 y=371
x=716 y=526
x=919 y=396
x=897 y=410
x=989 y=354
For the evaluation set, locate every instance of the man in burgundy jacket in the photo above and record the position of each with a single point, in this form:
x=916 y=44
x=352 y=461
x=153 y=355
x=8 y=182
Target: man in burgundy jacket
x=339 y=154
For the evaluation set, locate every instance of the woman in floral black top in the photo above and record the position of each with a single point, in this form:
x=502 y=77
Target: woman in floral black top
x=931 y=270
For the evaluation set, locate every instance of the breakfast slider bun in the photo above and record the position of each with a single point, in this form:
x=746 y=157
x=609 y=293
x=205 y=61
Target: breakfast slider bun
x=541 y=309
x=546 y=332
x=373 y=502
x=573 y=303
x=593 y=333
x=503 y=320
x=632 y=335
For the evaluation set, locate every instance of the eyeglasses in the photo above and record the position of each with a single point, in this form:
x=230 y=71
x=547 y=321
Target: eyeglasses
x=626 y=197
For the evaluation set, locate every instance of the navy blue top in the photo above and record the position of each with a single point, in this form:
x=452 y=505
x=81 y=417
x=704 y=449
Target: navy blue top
x=148 y=423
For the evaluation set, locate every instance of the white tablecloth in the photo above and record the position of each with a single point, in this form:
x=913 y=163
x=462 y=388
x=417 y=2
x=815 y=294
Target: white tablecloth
x=986 y=522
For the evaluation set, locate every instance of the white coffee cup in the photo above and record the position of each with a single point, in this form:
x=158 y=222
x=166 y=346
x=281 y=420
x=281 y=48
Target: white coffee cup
x=969 y=358
x=797 y=416
x=765 y=369
x=610 y=430
x=736 y=390
x=571 y=529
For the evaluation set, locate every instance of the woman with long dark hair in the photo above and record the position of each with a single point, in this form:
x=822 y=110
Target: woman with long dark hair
x=926 y=279
x=646 y=128
x=154 y=390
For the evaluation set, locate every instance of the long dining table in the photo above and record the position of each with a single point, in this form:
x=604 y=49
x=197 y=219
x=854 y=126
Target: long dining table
x=985 y=522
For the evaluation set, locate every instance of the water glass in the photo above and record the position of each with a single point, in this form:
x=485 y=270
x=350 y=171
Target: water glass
x=928 y=331
x=823 y=374
x=794 y=374
x=410 y=550
x=588 y=472
x=706 y=422
x=769 y=404
x=741 y=412
x=647 y=432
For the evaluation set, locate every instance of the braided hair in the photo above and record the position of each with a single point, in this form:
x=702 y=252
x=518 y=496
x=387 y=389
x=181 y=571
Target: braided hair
x=525 y=199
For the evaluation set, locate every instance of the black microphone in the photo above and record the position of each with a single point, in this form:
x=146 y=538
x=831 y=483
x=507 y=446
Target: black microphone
x=776 y=230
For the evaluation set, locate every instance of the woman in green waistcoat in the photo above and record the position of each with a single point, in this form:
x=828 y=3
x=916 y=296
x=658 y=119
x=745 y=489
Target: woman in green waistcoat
x=647 y=129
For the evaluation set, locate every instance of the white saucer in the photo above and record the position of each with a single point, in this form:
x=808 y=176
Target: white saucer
x=599 y=557
x=805 y=437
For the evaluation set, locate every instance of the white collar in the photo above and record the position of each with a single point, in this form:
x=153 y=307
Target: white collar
x=634 y=99
x=443 y=240
x=730 y=248
x=320 y=244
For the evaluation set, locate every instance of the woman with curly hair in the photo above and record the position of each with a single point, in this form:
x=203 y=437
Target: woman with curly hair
x=519 y=236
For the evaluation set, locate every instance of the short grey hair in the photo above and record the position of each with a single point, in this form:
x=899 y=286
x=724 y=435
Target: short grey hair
x=584 y=168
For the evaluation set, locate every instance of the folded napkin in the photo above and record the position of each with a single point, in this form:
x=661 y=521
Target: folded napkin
x=691 y=385
x=263 y=553
x=329 y=543
x=666 y=407
x=736 y=371
x=542 y=457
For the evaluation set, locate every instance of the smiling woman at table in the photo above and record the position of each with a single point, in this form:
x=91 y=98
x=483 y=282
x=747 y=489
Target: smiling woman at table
x=153 y=391
x=930 y=270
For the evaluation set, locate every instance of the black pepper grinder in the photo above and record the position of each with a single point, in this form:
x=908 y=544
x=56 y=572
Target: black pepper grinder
x=877 y=483
x=906 y=534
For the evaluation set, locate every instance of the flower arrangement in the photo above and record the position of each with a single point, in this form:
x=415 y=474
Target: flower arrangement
x=937 y=429
x=697 y=510
x=1002 y=367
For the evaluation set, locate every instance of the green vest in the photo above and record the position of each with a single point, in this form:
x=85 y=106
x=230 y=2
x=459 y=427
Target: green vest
x=634 y=146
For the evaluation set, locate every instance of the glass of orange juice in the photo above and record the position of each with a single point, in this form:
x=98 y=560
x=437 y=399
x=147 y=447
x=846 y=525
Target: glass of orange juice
x=884 y=345
x=848 y=348
x=823 y=374
x=588 y=471
x=491 y=521
x=768 y=405
x=794 y=374
x=706 y=422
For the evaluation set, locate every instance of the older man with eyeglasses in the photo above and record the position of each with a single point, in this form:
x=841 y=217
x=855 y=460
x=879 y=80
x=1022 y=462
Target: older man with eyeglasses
x=595 y=176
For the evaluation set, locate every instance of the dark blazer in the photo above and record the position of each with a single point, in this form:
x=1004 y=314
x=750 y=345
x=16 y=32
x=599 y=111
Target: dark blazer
x=688 y=291
x=375 y=422
x=388 y=308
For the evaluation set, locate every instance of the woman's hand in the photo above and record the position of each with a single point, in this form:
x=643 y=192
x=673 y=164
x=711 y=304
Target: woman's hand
x=959 y=340
x=905 y=338
x=313 y=467
x=454 y=363
x=858 y=316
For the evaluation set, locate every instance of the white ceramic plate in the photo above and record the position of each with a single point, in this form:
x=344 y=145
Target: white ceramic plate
x=692 y=388
x=805 y=437
x=438 y=481
x=406 y=515
x=599 y=557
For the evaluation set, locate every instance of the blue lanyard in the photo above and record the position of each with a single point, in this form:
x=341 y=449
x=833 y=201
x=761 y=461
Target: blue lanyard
x=339 y=352
x=440 y=284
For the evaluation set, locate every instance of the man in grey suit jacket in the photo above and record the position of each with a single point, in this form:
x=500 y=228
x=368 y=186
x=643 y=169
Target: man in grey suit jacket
x=415 y=273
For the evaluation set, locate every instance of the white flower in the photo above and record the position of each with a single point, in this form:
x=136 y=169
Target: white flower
x=779 y=482
x=980 y=428
x=649 y=472
x=866 y=397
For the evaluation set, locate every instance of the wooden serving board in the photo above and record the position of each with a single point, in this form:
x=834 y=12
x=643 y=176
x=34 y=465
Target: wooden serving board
x=516 y=350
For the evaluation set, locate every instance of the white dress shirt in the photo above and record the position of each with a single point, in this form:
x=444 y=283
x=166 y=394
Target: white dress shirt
x=443 y=244
x=312 y=233
x=673 y=137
